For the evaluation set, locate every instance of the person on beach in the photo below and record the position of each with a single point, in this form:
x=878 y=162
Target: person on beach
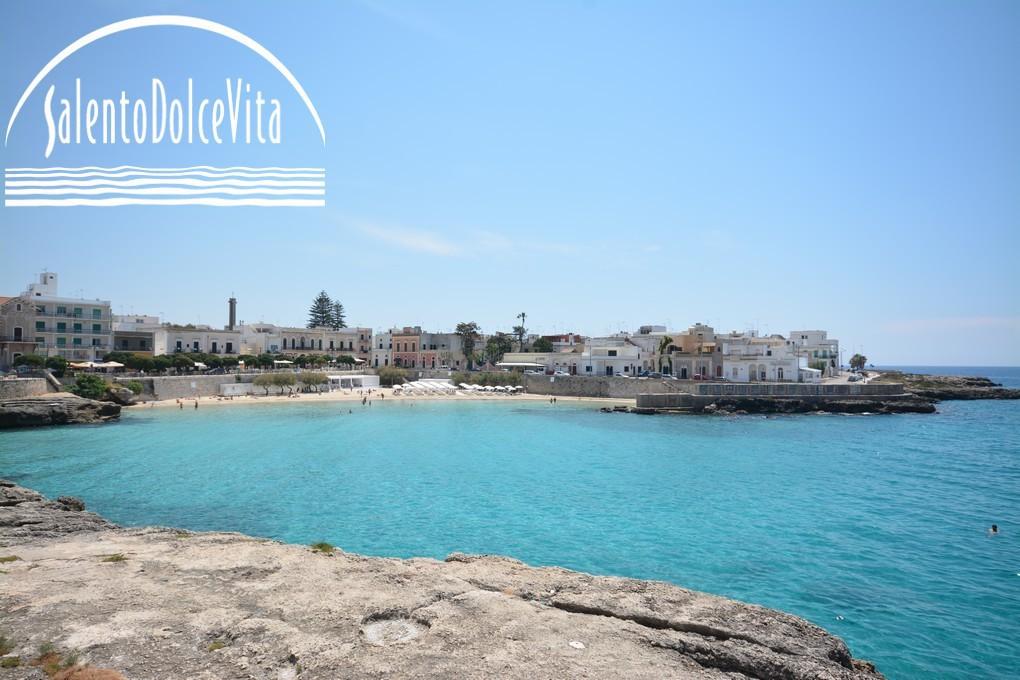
x=196 y=404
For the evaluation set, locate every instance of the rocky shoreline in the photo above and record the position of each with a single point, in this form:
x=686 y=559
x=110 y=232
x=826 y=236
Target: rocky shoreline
x=948 y=387
x=107 y=603
x=60 y=408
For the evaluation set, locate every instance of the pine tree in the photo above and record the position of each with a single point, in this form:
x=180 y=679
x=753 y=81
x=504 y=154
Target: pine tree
x=337 y=316
x=321 y=311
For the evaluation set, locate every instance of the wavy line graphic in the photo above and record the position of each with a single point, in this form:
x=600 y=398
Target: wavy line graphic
x=117 y=202
x=164 y=191
x=139 y=167
x=138 y=173
x=171 y=182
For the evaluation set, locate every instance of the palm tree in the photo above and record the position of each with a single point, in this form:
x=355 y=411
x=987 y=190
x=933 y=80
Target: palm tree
x=663 y=347
x=521 y=331
x=857 y=362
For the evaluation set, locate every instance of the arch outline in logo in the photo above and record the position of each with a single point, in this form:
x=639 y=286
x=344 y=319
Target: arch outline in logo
x=167 y=20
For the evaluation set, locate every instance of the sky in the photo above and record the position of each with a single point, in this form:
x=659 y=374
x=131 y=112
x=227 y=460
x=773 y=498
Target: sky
x=849 y=166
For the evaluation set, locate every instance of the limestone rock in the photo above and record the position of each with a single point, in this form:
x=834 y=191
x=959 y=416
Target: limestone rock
x=54 y=409
x=26 y=514
x=214 y=605
x=120 y=395
x=946 y=387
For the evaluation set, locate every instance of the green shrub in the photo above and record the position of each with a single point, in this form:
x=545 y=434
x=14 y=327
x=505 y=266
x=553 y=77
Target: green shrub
x=134 y=385
x=392 y=375
x=33 y=360
x=494 y=378
x=313 y=379
x=58 y=365
x=90 y=386
x=323 y=547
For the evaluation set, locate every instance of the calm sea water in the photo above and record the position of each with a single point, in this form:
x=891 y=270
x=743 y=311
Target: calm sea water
x=873 y=527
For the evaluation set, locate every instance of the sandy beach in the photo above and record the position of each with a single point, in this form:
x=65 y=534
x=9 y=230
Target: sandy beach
x=375 y=395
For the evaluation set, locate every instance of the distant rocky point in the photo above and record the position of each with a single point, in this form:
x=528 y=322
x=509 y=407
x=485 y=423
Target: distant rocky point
x=948 y=387
x=161 y=603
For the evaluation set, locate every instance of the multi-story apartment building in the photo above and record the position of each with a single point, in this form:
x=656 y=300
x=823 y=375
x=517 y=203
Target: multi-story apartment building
x=442 y=351
x=407 y=347
x=748 y=358
x=42 y=322
x=694 y=353
x=820 y=351
x=382 y=349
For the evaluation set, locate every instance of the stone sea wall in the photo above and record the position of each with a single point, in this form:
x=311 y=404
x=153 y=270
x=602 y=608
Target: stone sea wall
x=23 y=387
x=605 y=387
x=185 y=386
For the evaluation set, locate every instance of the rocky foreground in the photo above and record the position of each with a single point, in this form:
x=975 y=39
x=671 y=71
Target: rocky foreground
x=82 y=599
x=59 y=408
x=948 y=387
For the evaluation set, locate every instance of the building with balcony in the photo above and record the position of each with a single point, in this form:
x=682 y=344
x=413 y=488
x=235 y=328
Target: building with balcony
x=748 y=358
x=382 y=349
x=41 y=321
x=818 y=351
x=406 y=351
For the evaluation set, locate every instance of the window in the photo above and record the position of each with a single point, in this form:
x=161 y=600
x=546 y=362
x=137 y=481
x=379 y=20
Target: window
x=40 y=340
x=77 y=327
x=178 y=346
x=95 y=342
x=97 y=313
x=61 y=342
x=194 y=345
x=17 y=332
x=331 y=345
x=230 y=347
x=61 y=327
x=97 y=328
x=40 y=325
x=17 y=307
x=142 y=344
x=76 y=342
x=61 y=310
x=612 y=352
x=77 y=311
x=41 y=309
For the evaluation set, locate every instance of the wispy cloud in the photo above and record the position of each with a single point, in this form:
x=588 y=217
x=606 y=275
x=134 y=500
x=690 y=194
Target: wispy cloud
x=466 y=243
x=412 y=239
x=953 y=323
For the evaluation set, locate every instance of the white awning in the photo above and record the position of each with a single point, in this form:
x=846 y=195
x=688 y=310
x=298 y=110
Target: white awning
x=519 y=364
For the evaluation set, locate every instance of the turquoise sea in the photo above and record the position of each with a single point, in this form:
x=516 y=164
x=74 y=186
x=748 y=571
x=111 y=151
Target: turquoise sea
x=873 y=527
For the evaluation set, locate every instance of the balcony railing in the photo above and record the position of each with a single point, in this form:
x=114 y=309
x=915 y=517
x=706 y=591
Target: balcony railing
x=72 y=315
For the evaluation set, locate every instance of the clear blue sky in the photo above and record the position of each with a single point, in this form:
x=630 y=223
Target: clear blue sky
x=600 y=165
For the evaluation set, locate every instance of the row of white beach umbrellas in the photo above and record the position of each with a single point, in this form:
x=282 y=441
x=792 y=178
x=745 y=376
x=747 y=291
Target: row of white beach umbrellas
x=506 y=389
x=442 y=387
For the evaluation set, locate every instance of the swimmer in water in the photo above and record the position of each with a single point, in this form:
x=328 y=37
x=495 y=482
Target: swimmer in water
x=994 y=531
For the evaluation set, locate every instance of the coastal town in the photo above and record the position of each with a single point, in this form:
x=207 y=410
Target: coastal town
x=41 y=322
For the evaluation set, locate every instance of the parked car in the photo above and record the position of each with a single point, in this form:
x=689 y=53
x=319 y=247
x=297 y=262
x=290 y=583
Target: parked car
x=853 y=378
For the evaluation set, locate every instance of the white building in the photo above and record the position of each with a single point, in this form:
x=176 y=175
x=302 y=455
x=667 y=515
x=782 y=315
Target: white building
x=748 y=358
x=382 y=350
x=818 y=351
x=41 y=321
